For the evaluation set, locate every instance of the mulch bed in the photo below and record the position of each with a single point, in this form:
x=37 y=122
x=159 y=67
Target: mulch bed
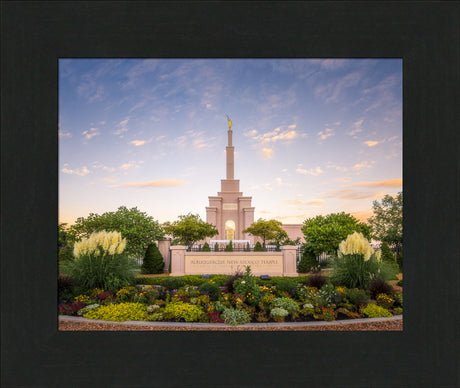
x=391 y=325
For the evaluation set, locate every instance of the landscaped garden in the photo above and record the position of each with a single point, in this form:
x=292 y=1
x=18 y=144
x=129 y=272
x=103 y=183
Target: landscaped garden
x=100 y=284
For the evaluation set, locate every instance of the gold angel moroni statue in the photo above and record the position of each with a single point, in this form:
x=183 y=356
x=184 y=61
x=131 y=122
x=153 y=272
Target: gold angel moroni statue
x=229 y=123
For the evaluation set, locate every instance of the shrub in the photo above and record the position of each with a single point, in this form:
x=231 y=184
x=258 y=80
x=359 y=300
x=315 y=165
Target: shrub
x=216 y=247
x=287 y=304
x=70 y=308
x=206 y=248
x=400 y=283
x=235 y=317
x=157 y=280
x=278 y=314
x=85 y=309
x=65 y=253
x=387 y=253
x=399 y=260
x=398 y=310
x=258 y=247
x=219 y=279
x=398 y=297
x=374 y=311
x=308 y=261
x=100 y=262
x=316 y=281
x=228 y=283
x=385 y=301
x=180 y=311
x=173 y=283
x=229 y=247
x=247 y=287
x=327 y=313
x=119 y=312
x=285 y=285
x=153 y=261
x=210 y=288
x=248 y=247
x=66 y=286
x=379 y=286
x=357 y=297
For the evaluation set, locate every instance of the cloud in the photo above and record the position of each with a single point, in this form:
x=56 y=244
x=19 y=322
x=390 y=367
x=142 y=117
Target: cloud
x=99 y=165
x=371 y=143
x=276 y=135
x=267 y=152
x=158 y=183
x=280 y=182
x=137 y=142
x=356 y=128
x=199 y=143
x=336 y=167
x=64 y=134
x=292 y=126
x=314 y=172
x=109 y=180
x=326 y=133
x=90 y=133
x=350 y=194
x=312 y=202
x=132 y=164
x=362 y=165
x=333 y=90
x=343 y=180
x=395 y=183
x=251 y=133
x=122 y=127
x=80 y=172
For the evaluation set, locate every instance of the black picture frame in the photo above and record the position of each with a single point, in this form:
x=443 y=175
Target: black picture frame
x=36 y=34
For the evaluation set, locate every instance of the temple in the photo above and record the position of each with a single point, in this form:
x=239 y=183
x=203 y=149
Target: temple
x=230 y=211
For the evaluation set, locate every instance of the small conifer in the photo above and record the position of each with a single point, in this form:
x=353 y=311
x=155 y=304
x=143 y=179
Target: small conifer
x=258 y=247
x=153 y=261
x=387 y=254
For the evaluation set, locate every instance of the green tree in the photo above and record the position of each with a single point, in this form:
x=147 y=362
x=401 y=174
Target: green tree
x=229 y=247
x=387 y=254
x=267 y=230
x=206 y=248
x=308 y=262
x=64 y=245
x=325 y=233
x=153 y=261
x=258 y=247
x=139 y=229
x=387 y=221
x=62 y=235
x=189 y=229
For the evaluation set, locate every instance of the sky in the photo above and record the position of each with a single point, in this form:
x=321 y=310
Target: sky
x=311 y=136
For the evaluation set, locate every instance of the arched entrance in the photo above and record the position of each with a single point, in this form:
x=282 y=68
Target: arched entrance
x=230 y=230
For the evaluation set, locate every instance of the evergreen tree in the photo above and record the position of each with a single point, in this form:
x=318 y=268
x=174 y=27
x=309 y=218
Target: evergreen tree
x=248 y=247
x=400 y=259
x=153 y=261
x=308 y=261
x=258 y=247
x=206 y=248
x=229 y=247
x=387 y=253
x=216 y=247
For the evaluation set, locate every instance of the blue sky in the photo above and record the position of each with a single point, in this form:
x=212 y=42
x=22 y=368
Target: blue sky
x=311 y=136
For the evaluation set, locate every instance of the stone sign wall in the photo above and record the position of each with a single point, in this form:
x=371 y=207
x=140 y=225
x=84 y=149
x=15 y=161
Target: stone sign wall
x=262 y=263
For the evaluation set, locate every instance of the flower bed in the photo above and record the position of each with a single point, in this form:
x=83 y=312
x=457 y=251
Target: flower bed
x=248 y=301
